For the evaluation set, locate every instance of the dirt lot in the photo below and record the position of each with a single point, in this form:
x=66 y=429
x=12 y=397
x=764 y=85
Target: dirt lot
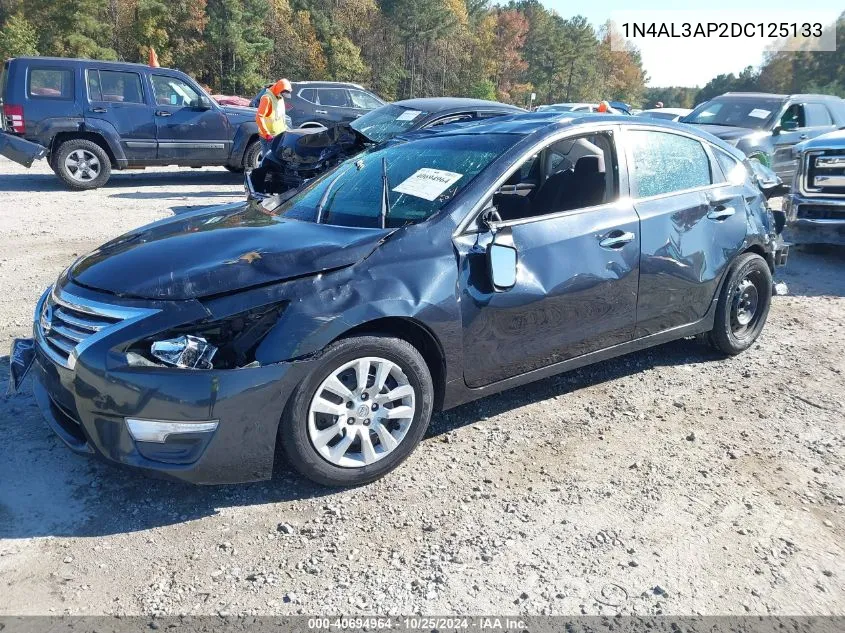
x=669 y=481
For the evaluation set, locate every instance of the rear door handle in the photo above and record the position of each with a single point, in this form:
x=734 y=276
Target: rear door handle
x=617 y=239
x=163 y=113
x=321 y=111
x=721 y=213
x=803 y=137
x=99 y=110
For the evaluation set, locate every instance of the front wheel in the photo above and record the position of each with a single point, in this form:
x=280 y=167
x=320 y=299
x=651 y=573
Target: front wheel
x=743 y=305
x=360 y=412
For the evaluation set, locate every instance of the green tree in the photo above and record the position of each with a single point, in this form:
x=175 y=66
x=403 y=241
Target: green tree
x=17 y=37
x=236 y=45
x=73 y=28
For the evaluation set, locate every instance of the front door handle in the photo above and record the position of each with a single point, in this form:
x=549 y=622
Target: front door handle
x=99 y=110
x=803 y=137
x=721 y=213
x=617 y=239
x=163 y=113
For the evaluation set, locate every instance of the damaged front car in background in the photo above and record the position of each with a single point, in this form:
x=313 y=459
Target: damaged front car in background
x=413 y=278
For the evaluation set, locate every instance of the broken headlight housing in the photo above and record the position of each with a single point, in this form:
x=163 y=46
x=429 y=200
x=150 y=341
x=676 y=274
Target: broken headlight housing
x=226 y=343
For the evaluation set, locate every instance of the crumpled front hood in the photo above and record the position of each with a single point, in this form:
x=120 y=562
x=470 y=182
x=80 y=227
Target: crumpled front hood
x=219 y=250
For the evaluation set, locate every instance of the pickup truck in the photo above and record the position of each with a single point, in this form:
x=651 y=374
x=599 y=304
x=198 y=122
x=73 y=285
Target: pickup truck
x=88 y=117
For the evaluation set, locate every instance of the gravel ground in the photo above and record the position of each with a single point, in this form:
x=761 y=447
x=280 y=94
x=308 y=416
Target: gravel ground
x=669 y=481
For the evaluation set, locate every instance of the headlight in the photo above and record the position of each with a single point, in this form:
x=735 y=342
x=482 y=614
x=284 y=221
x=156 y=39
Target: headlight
x=190 y=352
x=222 y=344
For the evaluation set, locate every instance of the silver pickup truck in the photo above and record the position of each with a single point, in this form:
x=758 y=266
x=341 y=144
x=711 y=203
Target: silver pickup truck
x=815 y=208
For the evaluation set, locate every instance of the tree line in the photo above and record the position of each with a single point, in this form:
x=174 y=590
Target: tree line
x=398 y=48
x=782 y=72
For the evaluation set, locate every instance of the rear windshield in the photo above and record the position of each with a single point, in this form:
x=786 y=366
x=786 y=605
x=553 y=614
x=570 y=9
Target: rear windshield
x=386 y=122
x=422 y=175
x=750 y=112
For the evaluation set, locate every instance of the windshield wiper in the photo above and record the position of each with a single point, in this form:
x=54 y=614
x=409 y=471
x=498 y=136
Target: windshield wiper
x=385 y=194
x=325 y=197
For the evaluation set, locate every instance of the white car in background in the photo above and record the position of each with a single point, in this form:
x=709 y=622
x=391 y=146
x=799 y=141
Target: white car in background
x=665 y=114
x=575 y=107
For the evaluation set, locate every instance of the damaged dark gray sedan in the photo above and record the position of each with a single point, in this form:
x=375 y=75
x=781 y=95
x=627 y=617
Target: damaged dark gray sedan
x=428 y=272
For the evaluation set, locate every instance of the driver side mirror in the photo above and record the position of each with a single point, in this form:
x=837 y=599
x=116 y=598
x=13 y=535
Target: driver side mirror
x=788 y=126
x=204 y=103
x=501 y=253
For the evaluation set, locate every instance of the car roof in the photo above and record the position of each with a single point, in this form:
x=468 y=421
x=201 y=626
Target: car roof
x=768 y=95
x=546 y=122
x=438 y=104
x=88 y=62
x=327 y=84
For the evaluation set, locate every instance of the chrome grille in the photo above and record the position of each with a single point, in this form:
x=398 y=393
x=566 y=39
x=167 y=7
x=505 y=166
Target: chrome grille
x=66 y=324
x=825 y=173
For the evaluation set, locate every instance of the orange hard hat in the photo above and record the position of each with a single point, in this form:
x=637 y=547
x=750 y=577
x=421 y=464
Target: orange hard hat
x=283 y=85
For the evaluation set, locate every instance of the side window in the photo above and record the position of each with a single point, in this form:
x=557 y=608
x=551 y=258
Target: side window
x=309 y=94
x=363 y=101
x=663 y=162
x=454 y=118
x=734 y=171
x=817 y=115
x=335 y=97
x=115 y=86
x=174 y=92
x=573 y=173
x=51 y=83
x=793 y=118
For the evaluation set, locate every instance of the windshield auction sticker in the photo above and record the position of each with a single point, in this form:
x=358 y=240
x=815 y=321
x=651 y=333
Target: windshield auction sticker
x=428 y=183
x=409 y=115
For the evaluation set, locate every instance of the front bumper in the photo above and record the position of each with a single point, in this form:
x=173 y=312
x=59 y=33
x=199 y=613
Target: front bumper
x=814 y=220
x=87 y=405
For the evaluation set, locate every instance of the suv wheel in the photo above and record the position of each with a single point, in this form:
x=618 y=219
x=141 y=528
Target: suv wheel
x=360 y=412
x=251 y=160
x=743 y=305
x=82 y=164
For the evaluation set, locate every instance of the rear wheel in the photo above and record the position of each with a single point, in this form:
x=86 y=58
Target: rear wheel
x=360 y=412
x=81 y=164
x=743 y=305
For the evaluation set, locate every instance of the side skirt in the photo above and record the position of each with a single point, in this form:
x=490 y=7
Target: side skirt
x=458 y=393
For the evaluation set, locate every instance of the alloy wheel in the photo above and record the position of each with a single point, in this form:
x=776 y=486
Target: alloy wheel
x=82 y=165
x=361 y=412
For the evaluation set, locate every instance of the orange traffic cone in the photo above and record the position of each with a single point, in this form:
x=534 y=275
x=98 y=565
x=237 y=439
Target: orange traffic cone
x=153 y=58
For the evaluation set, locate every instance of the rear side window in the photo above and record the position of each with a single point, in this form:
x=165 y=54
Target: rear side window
x=51 y=83
x=309 y=94
x=817 y=115
x=332 y=97
x=662 y=162
x=735 y=172
x=115 y=86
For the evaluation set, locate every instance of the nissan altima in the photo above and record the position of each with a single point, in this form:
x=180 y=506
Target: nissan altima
x=430 y=271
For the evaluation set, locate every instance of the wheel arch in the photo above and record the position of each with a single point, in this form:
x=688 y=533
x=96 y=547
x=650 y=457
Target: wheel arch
x=418 y=335
x=98 y=139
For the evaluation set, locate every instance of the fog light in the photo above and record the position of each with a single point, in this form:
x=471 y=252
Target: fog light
x=191 y=352
x=159 y=430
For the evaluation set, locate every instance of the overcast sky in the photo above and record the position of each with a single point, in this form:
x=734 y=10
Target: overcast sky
x=680 y=62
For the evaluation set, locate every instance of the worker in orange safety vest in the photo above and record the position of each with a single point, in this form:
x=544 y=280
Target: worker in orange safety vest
x=271 y=110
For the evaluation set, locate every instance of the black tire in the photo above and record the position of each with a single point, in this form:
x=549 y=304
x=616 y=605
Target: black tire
x=96 y=177
x=293 y=430
x=743 y=305
x=252 y=155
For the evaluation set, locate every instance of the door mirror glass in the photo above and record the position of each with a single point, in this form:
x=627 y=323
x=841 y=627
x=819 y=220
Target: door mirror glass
x=788 y=125
x=204 y=103
x=501 y=260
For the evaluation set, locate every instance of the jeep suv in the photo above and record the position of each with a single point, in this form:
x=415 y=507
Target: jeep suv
x=768 y=126
x=89 y=117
